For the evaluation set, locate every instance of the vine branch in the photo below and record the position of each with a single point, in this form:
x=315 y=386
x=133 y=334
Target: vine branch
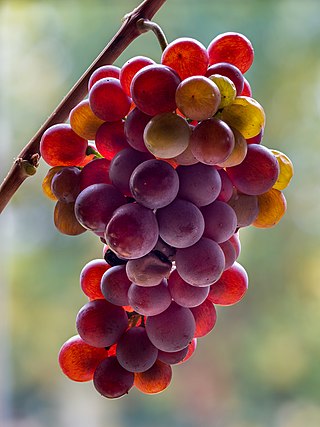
x=28 y=159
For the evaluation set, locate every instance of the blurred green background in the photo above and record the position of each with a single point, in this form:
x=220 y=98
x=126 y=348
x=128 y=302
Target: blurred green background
x=260 y=367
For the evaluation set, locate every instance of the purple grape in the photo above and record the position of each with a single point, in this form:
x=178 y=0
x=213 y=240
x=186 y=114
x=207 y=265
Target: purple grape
x=111 y=379
x=171 y=330
x=115 y=285
x=154 y=184
x=151 y=300
x=95 y=205
x=134 y=127
x=135 y=352
x=229 y=252
x=122 y=166
x=181 y=223
x=148 y=270
x=226 y=186
x=199 y=183
x=220 y=221
x=201 y=264
x=132 y=231
x=184 y=294
x=172 y=357
x=230 y=71
x=246 y=208
x=65 y=184
x=95 y=172
x=100 y=323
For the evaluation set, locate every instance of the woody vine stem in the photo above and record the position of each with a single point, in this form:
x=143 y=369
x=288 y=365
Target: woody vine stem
x=134 y=24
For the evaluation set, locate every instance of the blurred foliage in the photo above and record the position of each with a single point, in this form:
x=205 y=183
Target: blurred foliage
x=260 y=366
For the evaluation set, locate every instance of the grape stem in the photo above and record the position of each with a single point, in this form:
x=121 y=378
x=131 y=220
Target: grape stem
x=146 y=25
x=27 y=161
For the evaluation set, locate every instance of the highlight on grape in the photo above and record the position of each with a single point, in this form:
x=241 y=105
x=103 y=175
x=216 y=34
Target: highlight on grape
x=164 y=163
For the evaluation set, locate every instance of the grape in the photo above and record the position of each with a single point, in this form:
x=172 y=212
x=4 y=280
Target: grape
x=154 y=184
x=61 y=146
x=200 y=264
x=102 y=73
x=95 y=205
x=155 y=379
x=212 y=141
x=231 y=47
x=148 y=270
x=246 y=208
x=47 y=180
x=115 y=285
x=184 y=294
x=134 y=128
x=122 y=166
x=151 y=300
x=132 y=231
x=153 y=89
x=256 y=139
x=112 y=259
x=110 y=139
x=95 y=172
x=230 y=253
x=83 y=121
x=235 y=240
x=130 y=69
x=111 y=379
x=220 y=221
x=246 y=88
x=246 y=115
x=272 y=207
x=164 y=251
x=65 y=184
x=198 y=98
x=191 y=349
x=226 y=88
x=230 y=71
x=205 y=317
x=200 y=184
x=239 y=151
x=171 y=330
x=65 y=219
x=226 y=187
x=257 y=173
x=135 y=352
x=181 y=223
x=167 y=135
x=100 y=323
x=286 y=170
x=90 y=278
x=171 y=358
x=78 y=360
x=231 y=287
x=186 y=158
x=108 y=101
x=187 y=56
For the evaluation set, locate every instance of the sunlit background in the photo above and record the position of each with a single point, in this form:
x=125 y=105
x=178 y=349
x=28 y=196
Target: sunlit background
x=260 y=367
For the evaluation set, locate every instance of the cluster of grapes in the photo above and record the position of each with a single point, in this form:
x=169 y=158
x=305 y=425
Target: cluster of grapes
x=176 y=168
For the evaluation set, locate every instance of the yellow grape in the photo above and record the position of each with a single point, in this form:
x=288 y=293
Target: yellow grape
x=198 y=98
x=167 y=135
x=286 y=170
x=46 y=183
x=239 y=151
x=83 y=121
x=226 y=87
x=272 y=207
x=246 y=115
x=65 y=219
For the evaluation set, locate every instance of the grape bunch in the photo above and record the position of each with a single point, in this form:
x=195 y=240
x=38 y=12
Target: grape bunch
x=164 y=164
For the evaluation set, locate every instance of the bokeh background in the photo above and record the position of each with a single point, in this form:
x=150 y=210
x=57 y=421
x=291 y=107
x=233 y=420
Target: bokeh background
x=260 y=367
